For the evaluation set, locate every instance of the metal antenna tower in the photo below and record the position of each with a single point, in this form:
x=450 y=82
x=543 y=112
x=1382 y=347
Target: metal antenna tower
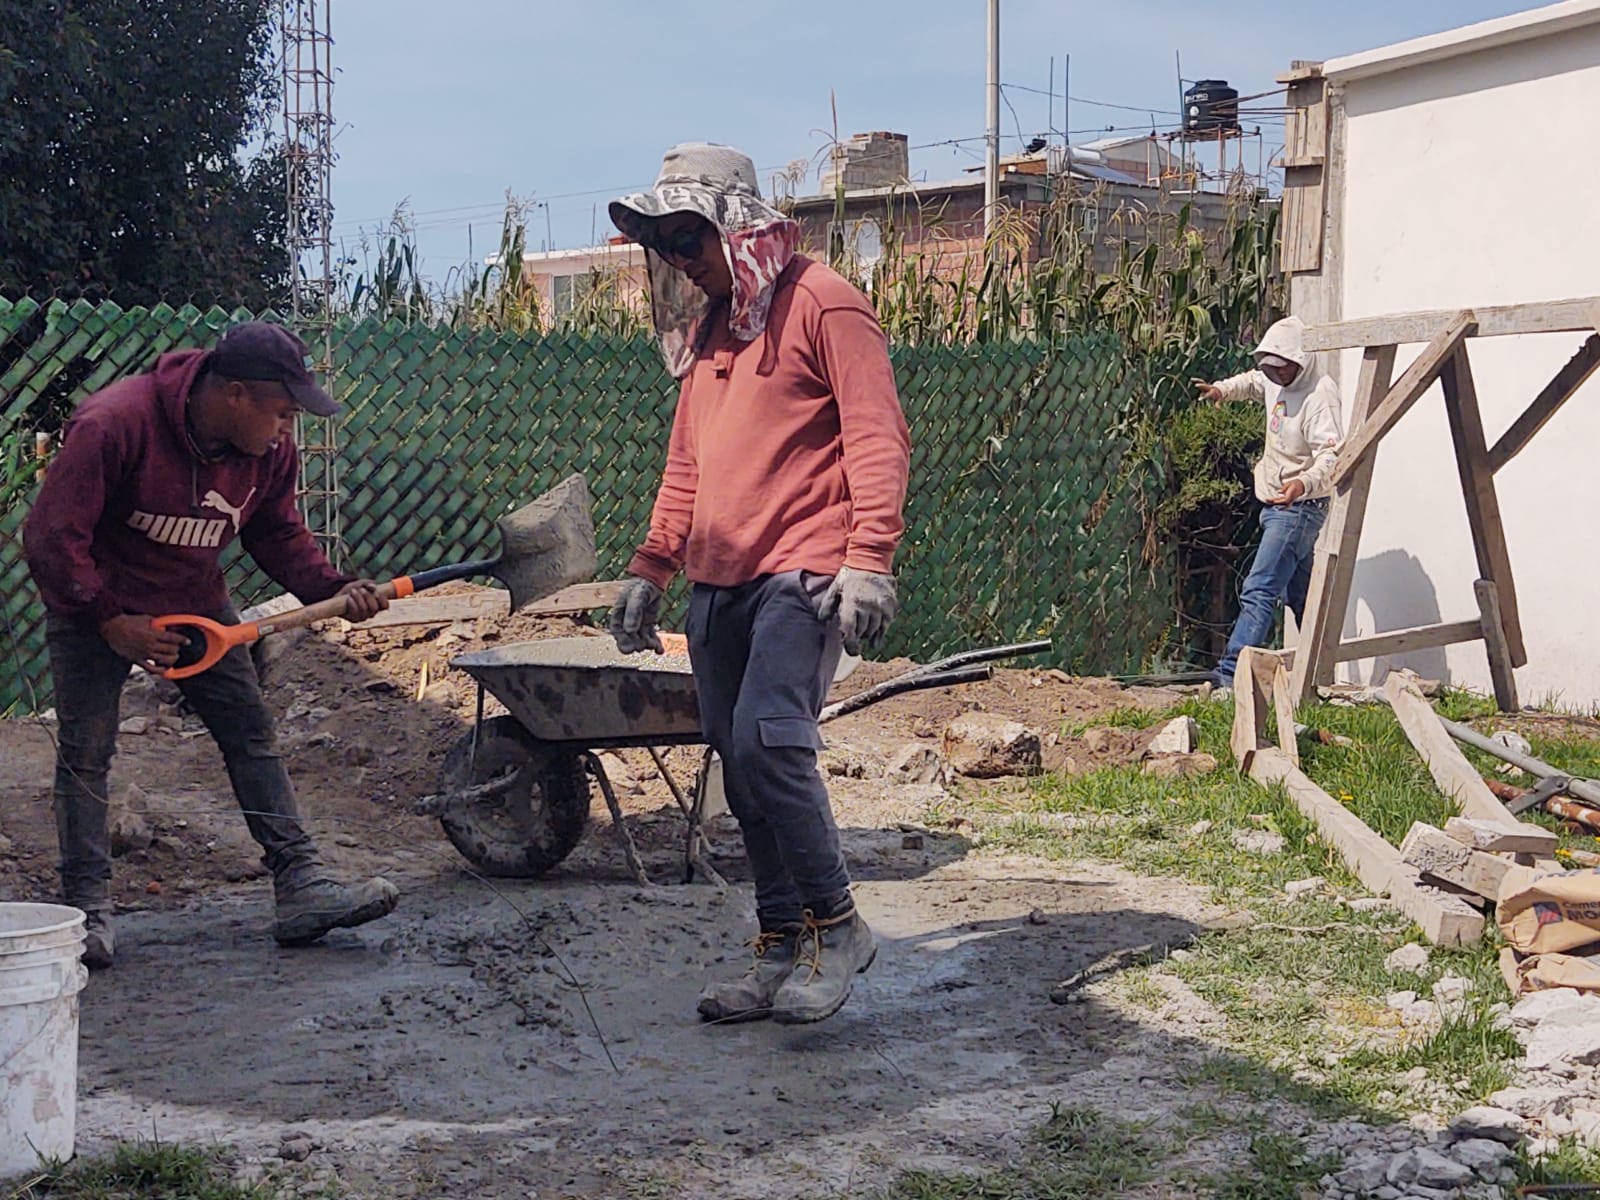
x=308 y=161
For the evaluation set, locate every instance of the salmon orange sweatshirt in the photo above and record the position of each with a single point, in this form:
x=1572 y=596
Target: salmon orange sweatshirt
x=789 y=452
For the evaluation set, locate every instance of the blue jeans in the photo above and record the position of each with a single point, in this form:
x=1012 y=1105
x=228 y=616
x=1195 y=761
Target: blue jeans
x=1280 y=574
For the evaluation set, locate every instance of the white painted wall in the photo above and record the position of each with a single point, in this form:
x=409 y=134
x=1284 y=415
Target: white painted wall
x=1475 y=179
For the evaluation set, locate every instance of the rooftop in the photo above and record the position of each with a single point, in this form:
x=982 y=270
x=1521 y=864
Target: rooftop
x=1452 y=43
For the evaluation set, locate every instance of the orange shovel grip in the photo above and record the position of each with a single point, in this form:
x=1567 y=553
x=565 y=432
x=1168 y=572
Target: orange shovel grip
x=218 y=639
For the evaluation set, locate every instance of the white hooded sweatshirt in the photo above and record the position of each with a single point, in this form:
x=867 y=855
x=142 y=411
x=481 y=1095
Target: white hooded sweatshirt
x=1304 y=430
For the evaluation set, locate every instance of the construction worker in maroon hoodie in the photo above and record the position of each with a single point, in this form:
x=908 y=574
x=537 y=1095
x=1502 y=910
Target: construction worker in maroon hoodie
x=156 y=475
x=782 y=501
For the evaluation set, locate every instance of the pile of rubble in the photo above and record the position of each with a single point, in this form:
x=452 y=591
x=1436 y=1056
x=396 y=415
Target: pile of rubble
x=1472 y=1159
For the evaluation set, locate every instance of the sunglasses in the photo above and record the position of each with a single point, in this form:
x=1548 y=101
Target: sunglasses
x=682 y=243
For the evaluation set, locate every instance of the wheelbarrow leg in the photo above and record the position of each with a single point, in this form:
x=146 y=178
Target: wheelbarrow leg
x=597 y=769
x=697 y=837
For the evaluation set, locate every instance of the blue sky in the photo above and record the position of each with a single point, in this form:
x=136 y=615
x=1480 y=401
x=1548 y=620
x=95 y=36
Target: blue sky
x=446 y=106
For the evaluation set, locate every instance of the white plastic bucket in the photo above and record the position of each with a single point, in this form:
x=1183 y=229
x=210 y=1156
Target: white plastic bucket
x=40 y=978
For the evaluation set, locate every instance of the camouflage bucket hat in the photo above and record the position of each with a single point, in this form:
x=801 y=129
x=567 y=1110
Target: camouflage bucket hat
x=716 y=182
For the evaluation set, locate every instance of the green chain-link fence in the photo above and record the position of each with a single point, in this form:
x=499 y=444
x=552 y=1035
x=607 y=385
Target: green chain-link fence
x=1023 y=517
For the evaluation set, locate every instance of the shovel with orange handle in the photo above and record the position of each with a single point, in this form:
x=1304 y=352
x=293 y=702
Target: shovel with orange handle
x=544 y=546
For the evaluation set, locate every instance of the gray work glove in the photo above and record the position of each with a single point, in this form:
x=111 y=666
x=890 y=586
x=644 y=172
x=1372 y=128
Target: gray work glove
x=634 y=617
x=864 y=602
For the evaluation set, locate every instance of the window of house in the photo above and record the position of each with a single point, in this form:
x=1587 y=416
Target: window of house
x=1089 y=221
x=567 y=292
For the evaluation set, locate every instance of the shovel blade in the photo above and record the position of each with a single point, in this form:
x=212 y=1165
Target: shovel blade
x=549 y=544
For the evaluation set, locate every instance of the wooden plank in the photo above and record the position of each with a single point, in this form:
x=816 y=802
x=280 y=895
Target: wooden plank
x=1556 y=316
x=1494 y=640
x=1545 y=405
x=1304 y=215
x=1333 y=570
x=1446 y=920
x=1306 y=135
x=1402 y=641
x=1301 y=69
x=1434 y=852
x=1483 y=504
x=429 y=609
x=1283 y=706
x=1495 y=838
x=1249 y=709
x=1456 y=777
x=579 y=598
x=1418 y=379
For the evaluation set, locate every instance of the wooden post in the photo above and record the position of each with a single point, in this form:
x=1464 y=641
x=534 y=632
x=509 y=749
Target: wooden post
x=1545 y=405
x=1250 y=701
x=1494 y=639
x=1333 y=572
x=1483 y=505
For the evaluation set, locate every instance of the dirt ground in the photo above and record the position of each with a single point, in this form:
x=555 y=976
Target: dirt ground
x=538 y=1038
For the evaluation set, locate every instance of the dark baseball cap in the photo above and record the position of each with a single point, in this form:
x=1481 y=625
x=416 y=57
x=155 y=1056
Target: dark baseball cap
x=256 y=350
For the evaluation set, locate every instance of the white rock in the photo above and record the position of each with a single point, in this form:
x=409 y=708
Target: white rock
x=1586 y=1125
x=1363 y=1173
x=135 y=726
x=1564 y=1045
x=1179 y=736
x=1500 y=1124
x=1259 y=841
x=1556 y=1006
x=1304 y=887
x=1524 y=1102
x=1450 y=989
x=1400 y=1000
x=1409 y=959
x=1482 y=1156
x=1429 y=1169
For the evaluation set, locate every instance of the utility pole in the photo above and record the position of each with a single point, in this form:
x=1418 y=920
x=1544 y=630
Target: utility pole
x=991 y=166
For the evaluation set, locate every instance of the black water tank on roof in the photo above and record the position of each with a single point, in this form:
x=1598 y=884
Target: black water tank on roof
x=1210 y=105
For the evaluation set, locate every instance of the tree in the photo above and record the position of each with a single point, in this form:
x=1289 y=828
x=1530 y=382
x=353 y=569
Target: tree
x=124 y=127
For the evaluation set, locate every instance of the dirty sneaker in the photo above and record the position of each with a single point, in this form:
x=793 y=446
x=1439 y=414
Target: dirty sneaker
x=829 y=955
x=99 y=939
x=749 y=997
x=307 y=912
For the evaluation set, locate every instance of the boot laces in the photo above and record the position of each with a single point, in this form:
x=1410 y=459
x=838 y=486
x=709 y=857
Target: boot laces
x=808 y=953
x=763 y=944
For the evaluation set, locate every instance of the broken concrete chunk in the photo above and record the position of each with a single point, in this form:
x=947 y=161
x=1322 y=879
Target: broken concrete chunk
x=1180 y=736
x=1180 y=766
x=985 y=746
x=125 y=821
x=1485 y=1122
x=1304 y=887
x=916 y=763
x=1556 y=1007
x=1259 y=841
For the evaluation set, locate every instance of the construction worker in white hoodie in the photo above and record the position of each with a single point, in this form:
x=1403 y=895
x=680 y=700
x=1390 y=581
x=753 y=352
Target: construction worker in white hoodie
x=1304 y=433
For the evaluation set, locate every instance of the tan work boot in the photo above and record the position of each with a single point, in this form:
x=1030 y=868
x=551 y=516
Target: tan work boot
x=308 y=911
x=829 y=956
x=749 y=997
x=99 y=939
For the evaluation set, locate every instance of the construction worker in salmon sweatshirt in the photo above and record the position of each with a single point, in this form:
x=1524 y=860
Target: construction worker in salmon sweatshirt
x=156 y=476
x=782 y=502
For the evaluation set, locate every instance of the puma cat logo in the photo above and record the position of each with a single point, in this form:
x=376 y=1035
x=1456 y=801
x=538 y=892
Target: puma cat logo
x=219 y=502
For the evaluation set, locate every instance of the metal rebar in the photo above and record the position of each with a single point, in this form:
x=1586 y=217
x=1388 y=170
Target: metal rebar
x=1582 y=789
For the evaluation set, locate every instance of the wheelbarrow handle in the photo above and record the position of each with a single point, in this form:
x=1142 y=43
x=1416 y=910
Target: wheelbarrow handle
x=218 y=638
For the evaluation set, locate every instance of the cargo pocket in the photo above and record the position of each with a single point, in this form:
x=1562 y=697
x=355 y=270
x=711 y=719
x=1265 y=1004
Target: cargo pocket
x=790 y=732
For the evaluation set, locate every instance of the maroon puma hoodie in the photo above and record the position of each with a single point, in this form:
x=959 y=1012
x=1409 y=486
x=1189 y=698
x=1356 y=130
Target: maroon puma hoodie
x=133 y=518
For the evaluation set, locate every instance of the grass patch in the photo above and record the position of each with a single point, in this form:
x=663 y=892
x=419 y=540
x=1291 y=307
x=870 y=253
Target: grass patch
x=1571 y=1163
x=1078 y=1154
x=145 y=1171
x=1303 y=988
x=1117 y=718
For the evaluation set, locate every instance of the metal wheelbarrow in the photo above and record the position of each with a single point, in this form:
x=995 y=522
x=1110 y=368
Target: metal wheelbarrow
x=515 y=794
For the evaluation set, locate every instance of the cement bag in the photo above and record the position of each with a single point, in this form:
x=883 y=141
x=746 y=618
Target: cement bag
x=1540 y=972
x=1544 y=914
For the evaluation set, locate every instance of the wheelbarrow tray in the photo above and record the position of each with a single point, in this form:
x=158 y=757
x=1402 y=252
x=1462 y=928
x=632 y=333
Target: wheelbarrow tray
x=581 y=690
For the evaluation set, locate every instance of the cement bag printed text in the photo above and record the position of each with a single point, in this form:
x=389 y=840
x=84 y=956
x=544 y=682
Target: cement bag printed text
x=1544 y=914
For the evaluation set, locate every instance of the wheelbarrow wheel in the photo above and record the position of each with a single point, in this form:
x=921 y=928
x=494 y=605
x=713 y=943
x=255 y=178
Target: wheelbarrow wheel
x=524 y=831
